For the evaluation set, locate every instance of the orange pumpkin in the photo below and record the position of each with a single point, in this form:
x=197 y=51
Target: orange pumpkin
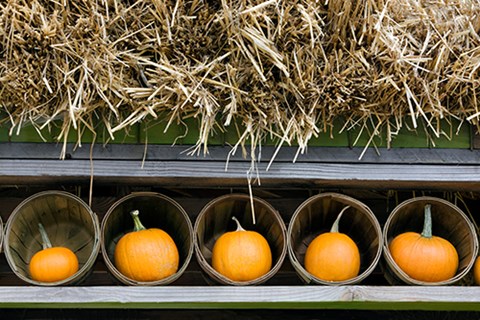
x=476 y=271
x=146 y=254
x=52 y=264
x=333 y=256
x=241 y=255
x=424 y=257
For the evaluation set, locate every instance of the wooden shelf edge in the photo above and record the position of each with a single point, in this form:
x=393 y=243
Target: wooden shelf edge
x=260 y=297
x=27 y=163
x=214 y=173
x=287 y=154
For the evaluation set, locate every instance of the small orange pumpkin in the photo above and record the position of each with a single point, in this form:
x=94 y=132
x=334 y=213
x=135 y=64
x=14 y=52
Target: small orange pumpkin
x=52 y=264
x=424 y=257
x=241 y=255
x=476 y=271
x=333 y=256
x=146 y=254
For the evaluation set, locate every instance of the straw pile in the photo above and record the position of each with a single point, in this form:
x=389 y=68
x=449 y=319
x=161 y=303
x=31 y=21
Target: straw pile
x=279 y=69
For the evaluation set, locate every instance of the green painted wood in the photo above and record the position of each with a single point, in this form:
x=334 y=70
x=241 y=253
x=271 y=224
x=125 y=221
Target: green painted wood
x=181 y=132
x=30 y=133
x=186 y=131
x=26 y=134
x=453 y=135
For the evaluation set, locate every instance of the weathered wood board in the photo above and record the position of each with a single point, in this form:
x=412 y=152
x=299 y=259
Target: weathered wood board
x=380 y=182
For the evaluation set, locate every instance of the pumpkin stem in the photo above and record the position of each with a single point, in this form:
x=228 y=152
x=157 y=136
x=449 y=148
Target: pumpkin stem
x=239 y=226
x=427 y=223
x=337 y=221
x=45 y=240
x=136 y=220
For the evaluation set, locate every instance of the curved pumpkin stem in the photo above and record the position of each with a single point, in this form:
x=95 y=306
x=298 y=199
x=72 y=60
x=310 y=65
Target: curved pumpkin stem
x=239 y=226
x=337 y=221
x=45 y=240
x=136 y=220
x=427 y=223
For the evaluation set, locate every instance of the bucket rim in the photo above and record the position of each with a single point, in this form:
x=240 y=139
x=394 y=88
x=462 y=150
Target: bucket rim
x=111 y=266
x=2 y=234
x=87 y=265
x=309 y=278
x=215 y=274
x=399 y=273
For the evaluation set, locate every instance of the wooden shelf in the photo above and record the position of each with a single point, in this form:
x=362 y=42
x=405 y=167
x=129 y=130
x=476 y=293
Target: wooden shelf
x=261 y=297
x=457 y=169
x=25 y=165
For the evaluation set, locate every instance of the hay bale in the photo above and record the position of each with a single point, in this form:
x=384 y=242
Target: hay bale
x=279 y=69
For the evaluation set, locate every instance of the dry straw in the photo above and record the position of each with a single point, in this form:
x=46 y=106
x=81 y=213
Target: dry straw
x=276 y=69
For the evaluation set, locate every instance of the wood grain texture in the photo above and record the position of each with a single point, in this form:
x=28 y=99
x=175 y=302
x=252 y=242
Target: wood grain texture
x=167 y=167
x=171 y=297
x=457 y=169
x=181 y=173
x=287 y=154
x=227 y=297
x=69 y=223
x=414 y=294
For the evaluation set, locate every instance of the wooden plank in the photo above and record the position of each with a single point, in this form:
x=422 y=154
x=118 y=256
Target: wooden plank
x=455 y=134
x=440 y=294
x=222 y=154
x=191 y=173
x=171 y=297
x=259 y=297
x=417 y=297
